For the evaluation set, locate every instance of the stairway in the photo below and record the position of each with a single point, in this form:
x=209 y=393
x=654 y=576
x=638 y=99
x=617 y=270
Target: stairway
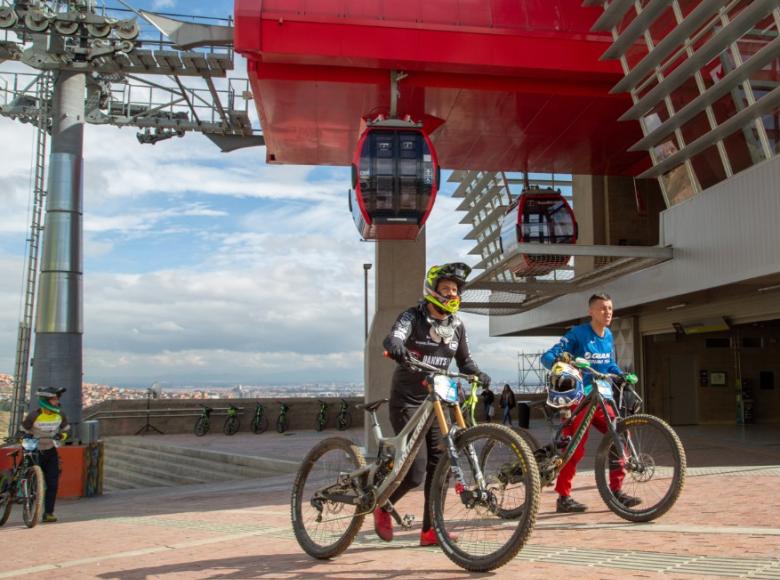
x=135 y=462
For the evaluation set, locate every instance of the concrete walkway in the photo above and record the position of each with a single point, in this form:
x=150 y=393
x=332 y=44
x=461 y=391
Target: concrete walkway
x=726 y=524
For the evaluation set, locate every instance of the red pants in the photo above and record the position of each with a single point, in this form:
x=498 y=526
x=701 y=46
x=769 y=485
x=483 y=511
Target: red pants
x=565 y=477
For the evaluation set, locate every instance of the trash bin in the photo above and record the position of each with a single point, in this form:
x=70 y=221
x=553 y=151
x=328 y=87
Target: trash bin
x=89 y=432
x=523 y=415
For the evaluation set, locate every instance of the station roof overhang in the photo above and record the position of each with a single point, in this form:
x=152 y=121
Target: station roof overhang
x=754 y=300
x=506 y=94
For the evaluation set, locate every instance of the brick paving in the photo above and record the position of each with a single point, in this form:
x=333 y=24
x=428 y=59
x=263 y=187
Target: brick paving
x=725 y=524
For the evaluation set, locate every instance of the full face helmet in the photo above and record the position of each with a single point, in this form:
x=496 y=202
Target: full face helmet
x=457 y=272
x=46 y=394
x=565 y=388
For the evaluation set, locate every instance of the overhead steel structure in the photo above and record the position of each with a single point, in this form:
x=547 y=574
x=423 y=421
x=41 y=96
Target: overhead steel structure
x=98 y=60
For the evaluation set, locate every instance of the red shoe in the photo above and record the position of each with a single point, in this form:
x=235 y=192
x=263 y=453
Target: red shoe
x=428 y=538
x=383 y=525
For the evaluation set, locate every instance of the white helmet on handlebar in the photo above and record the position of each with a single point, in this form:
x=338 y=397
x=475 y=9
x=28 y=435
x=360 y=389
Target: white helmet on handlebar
x=565 y=387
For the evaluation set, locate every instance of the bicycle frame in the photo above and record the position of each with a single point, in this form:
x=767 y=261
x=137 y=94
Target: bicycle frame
x=594 y=401
x=403 y=448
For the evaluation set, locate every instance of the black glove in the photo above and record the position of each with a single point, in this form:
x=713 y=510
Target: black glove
x=398 y=352
x=484 y=379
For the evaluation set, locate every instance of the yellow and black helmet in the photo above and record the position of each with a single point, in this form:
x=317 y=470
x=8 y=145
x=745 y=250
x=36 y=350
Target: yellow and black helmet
x=457 y=272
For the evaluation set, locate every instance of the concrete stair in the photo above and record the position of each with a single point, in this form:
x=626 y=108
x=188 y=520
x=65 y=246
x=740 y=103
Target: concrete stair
x=135 y=462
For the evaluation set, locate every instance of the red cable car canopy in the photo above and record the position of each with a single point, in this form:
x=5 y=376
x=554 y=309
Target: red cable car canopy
x=395 y=177
x=538 y=216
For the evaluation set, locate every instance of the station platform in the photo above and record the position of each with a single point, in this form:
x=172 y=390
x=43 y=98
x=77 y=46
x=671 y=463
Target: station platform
x=725 y=524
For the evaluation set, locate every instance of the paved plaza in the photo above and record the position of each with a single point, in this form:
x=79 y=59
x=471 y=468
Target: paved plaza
x=726 y=524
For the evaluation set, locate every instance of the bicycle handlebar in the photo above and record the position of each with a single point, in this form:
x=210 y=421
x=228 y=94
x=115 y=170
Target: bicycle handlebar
x=417 y=364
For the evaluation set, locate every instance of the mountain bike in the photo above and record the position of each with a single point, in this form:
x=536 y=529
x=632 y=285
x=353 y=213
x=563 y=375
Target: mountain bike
x=322 y=417
x=335 y=489
x=344 y=418
x=23 y=484
x=641 y=450
x=282 y=421
x=260 y=421
x=203 y=424
x=232 y=422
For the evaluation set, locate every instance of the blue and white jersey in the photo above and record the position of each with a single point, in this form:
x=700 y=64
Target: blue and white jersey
x=582 y=341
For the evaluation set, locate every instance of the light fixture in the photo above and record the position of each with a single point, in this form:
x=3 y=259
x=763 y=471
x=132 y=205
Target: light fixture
x=677 y=306
x=769 y=288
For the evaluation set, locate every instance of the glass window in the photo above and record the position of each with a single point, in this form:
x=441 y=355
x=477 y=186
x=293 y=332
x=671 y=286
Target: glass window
x=743 y=148
x=772 y=126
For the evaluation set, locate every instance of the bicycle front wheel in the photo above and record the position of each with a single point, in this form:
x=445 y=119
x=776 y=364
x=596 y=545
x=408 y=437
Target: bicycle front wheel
x=231 y=426
x=281 y=424
x=32 y=508
x=345 y=421
x=319 y=425
x=483 y=526
x=6 y=501
x=324 y=527
x=650 y=467
x=201 y=427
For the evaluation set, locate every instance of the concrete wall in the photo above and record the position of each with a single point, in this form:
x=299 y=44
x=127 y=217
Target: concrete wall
x=184 y=413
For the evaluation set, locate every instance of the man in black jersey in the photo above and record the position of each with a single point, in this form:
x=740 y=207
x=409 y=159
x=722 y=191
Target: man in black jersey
x=432 y=333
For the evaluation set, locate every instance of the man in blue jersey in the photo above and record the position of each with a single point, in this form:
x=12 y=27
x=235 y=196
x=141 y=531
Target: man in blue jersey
x=593 y=341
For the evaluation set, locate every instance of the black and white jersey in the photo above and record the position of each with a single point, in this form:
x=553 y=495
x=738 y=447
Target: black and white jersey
x=434 y=342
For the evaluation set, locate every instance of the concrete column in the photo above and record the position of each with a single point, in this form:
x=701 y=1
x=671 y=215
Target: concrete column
x=588 y=197
x=399 y=270
x=59 y=321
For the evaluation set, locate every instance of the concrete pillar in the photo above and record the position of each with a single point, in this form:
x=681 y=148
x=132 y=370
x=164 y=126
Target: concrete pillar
x=399 y=270
x=59 y=321
x=588 y=197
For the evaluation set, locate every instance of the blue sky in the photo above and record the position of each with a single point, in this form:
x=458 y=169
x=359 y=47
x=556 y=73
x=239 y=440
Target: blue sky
x=204 y=267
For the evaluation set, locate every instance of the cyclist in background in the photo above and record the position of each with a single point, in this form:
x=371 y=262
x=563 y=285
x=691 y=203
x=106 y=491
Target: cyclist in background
x=593 y=341
x=48 y=423
x=433 y=333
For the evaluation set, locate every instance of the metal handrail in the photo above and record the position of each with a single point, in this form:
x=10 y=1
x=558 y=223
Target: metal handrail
x=169 y=412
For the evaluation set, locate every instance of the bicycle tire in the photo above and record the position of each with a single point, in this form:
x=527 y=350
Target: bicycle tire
x=319 y=425
x=345 y=421
x=669 y=464
x=259 y=426
x=32 y=508
x=301 y=505
x=498 y=541
x=231 y=426
x=6 y=503
x=484 y=454
x=281 y=424
x=202 y=427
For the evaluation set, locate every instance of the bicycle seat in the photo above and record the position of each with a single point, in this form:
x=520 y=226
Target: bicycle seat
x=372 y=406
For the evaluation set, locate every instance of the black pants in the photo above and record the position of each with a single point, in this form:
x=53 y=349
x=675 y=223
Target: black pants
x=421 y=469
x=50 y=464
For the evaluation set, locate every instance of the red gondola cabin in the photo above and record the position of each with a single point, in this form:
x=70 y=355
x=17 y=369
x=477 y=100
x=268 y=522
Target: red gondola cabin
x=395 y=177
x=538 y=216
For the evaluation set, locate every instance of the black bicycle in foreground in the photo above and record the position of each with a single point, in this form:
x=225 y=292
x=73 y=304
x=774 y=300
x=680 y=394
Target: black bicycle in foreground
x=23 y=484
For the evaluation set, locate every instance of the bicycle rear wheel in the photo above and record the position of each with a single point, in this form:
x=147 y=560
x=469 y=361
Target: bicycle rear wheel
x=325 y=528
x=319 y=425
x=259 y=426
x=32 y=508
x=6 y=501
x=474 y=527
x=509 y=477
x=281 y=424
x=654 y=468
x=231 y=426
